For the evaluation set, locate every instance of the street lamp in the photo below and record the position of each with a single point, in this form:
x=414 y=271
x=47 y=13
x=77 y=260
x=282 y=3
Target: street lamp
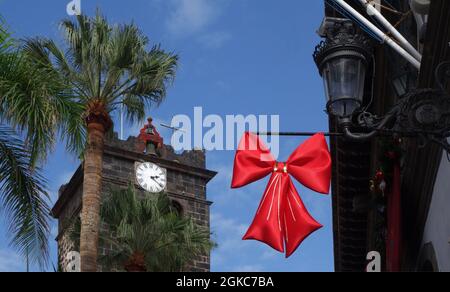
x=402 y=82
x=342 y=60
x=404 y=76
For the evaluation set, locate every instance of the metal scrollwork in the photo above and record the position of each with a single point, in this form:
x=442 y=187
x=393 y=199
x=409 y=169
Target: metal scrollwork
x=426 y=113
x=442 y=74
x=422 y=113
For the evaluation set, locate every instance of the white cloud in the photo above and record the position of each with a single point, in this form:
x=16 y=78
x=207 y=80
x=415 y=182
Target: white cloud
x=215 y=40
x=191 y=16
x=194 y=18
x=10 y=261
x=230 y=232
x=270 y=254
x=222 y=85
x=227 y=225
x=230 y=244
x=220 y=192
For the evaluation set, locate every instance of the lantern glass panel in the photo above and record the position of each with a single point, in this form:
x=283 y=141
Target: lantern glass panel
x=400 y=85
x=344 y=79
x=404 y=81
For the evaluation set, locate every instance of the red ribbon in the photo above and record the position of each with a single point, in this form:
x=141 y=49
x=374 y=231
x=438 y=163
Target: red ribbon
x=282 y=219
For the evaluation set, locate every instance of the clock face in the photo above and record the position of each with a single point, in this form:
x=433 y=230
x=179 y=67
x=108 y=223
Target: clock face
x=151 y=177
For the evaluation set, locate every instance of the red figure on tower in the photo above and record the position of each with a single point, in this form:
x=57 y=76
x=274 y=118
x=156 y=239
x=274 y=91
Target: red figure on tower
x=152 y=140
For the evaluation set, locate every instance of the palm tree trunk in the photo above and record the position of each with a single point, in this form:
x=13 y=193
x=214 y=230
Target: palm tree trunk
x=90 y=214
x=136 y=263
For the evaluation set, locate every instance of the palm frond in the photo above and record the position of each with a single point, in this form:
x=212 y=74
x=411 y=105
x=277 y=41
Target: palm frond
x=152 y=76
x=110 y=63
x=37 y=100
x=23 y=197
x=5 y=38
x=134 y=108
x=150 y=225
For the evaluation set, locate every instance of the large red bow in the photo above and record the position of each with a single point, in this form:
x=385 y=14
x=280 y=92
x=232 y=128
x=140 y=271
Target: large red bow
x=282 y=219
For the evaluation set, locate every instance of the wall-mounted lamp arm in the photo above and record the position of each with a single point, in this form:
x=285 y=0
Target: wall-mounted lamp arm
x=376 y=129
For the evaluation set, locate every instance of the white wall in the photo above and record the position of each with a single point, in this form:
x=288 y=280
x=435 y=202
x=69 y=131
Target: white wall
x=437 y=228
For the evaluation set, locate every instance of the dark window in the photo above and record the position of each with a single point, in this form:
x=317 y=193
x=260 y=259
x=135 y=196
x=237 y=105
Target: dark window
x=177 y=207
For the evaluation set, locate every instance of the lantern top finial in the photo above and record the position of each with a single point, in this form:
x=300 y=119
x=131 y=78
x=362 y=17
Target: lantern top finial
x=342 y=37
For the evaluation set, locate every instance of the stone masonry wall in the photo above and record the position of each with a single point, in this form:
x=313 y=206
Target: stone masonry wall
x=185 y=187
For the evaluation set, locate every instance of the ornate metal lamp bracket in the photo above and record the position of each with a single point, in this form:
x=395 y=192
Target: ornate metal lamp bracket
x=422 y=113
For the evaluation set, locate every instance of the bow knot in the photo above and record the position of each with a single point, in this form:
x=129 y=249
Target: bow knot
x=280 y=167
x=282 y=220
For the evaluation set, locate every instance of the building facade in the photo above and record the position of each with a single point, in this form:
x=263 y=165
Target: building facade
x=435 y=246
x=361 y=218
x=187 y=178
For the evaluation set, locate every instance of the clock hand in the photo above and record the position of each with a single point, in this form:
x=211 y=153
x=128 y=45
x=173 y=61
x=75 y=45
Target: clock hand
x=153 y=178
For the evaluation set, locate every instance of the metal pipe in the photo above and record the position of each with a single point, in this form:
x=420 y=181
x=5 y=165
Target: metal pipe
x=359 y=137
x=348 y=134
x=402 y=40
x=385 y=38
x=298 y=134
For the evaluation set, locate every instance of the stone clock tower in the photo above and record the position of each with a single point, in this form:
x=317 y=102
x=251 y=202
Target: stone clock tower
x=183 y=177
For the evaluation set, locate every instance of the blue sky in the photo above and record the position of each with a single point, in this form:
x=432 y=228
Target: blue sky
x=237 y=57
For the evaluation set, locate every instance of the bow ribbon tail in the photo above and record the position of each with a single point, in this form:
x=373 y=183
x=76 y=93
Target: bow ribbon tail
x=267 y=226
x=298 y=223
x=282 y=220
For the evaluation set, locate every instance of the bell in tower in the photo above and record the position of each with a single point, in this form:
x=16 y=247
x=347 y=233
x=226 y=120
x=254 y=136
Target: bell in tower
x=152 y=141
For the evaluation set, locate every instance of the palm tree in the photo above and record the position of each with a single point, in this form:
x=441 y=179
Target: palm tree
x=107 y=67
x=33 y=107
x=147 y=234
x=23 y=196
